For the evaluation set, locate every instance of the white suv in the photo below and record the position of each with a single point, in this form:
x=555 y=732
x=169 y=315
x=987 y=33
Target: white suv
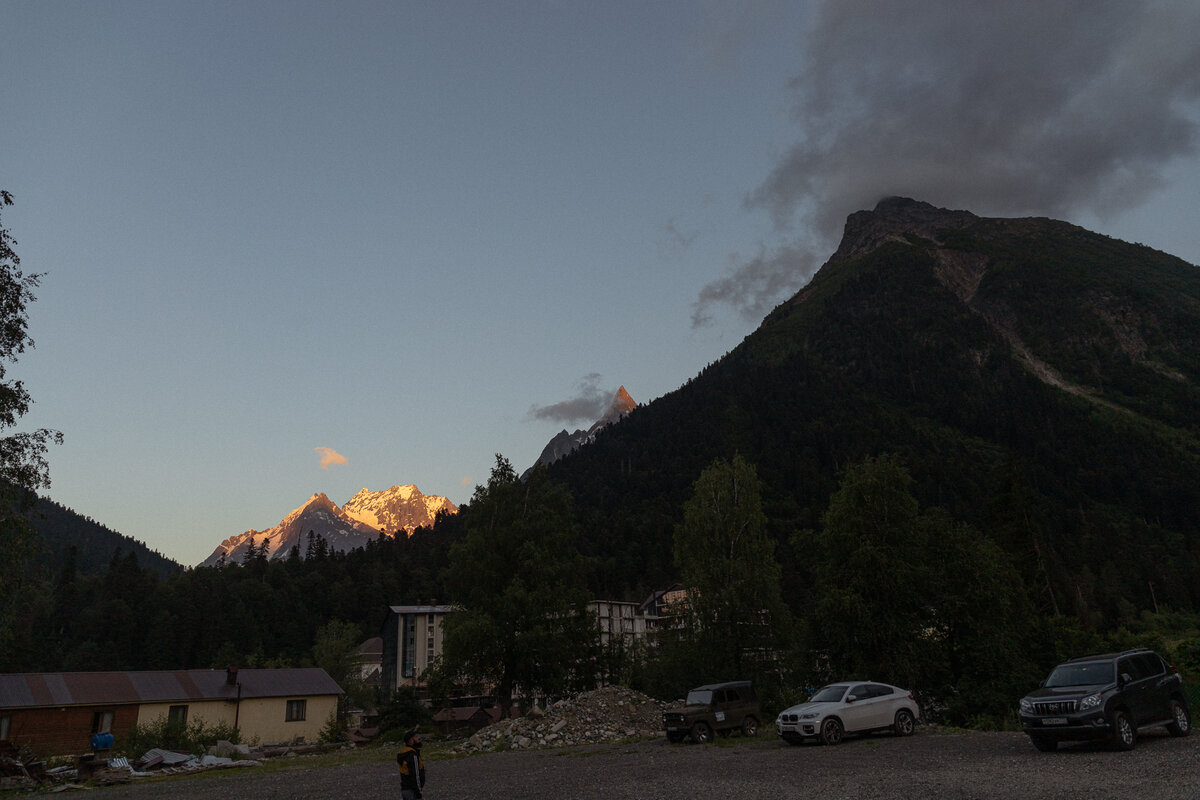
x=841 y=708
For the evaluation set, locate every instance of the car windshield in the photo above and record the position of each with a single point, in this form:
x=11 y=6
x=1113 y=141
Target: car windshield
x=699 y=697
x=1091 y=673
x=829 y=694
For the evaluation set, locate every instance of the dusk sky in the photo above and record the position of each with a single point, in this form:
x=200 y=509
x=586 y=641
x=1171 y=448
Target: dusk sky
x=296 y=247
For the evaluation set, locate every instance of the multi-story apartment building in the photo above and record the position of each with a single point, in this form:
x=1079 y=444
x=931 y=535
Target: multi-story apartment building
x=412 y=640
x=618 y=621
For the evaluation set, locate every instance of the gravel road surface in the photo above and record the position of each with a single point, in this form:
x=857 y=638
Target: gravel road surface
x=970 y=766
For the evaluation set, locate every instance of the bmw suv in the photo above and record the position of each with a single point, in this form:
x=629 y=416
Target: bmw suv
x=1106 y=697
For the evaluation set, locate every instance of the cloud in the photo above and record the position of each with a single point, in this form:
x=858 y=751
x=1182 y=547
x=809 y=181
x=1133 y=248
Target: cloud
x=753 y=287
x=677 y=236
x=588 y=404
x=1016 y=108
x=329 y=456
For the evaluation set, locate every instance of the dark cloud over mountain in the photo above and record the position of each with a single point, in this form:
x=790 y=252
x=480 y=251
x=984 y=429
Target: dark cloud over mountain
x=589 y=402
x=1015 y=108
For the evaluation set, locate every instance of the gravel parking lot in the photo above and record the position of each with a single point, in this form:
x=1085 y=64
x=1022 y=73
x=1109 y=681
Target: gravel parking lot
x=928 y=765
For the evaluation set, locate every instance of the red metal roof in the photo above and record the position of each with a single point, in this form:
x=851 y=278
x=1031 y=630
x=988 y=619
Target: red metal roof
x=33 y=690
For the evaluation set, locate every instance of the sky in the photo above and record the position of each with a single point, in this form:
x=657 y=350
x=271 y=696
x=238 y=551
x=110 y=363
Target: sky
x=297 y=247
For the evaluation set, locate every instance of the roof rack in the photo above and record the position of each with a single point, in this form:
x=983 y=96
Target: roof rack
x=1103 y=656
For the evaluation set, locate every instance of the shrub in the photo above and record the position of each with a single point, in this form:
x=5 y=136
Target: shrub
x=334 y=730
x=195 y=737
x=400 y=712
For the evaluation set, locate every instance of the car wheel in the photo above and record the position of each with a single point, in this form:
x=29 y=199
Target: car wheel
x=750 y=727
x=701 y=733
x=1123 y=733
x=1043 y=744
x=905 y=724
x=831 y=731
x=1181 y=724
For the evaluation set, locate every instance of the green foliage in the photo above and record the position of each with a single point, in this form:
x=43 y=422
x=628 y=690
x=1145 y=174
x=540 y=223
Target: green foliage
x=334 y=729
x=675 y=665
x=400 y=712
x=59 y=529
x=264 y=615
x=194 y=737
x=23 y=466
x=335 y=651
x=22 y=455
x=917 y=599
x=730 y=572
x=517 y=582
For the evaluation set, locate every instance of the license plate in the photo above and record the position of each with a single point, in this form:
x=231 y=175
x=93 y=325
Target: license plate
x=1054 y=721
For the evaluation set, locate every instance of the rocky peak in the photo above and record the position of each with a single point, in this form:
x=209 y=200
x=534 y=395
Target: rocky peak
x=318 y=500
x=622 y=402
x=566 y=443
x=892 y=219
x=621 y=405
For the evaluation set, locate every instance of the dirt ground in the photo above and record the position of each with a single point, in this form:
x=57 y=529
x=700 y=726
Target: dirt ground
x=970 y=766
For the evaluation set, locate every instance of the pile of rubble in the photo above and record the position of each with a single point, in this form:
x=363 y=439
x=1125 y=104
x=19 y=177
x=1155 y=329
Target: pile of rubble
x=18 y=768
x=610 y=714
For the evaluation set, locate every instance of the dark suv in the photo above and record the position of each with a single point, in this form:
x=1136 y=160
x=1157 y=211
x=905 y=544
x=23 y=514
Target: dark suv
x=718 y=707
x=1107 y=696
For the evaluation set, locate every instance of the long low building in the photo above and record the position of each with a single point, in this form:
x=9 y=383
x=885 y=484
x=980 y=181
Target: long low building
x=56 y=713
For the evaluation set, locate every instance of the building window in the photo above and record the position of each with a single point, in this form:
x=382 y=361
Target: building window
x=295 y=710
x=3 y=728
x=102 y=722
x=177 y=716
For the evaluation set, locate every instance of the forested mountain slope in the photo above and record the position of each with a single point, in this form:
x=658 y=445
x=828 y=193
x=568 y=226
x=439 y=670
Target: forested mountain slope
x=60 y=530
x=1039 y=381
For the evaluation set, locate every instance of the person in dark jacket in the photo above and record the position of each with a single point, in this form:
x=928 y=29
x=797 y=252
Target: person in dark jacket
x=412 y=768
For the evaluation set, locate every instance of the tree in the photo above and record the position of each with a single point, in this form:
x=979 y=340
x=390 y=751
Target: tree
x=23 y=466
x=335 y=650
x=728 y=566
x=520 y=614
x=872 y=607
x=916 y=598
x=22 y=455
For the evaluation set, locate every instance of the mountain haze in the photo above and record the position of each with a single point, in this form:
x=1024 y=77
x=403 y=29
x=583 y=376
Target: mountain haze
x=364 y=517
x=1039 y=381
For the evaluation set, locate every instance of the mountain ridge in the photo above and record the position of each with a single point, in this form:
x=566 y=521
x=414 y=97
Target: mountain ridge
x=563 y=443
x=973 y=348
x=366 y=516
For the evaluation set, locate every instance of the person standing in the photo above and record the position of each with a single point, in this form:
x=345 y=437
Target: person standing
x=412 y=768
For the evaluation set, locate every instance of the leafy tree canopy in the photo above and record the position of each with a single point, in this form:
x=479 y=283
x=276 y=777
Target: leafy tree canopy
x=23 y=466
x=915 y=598
x=729 y=570
x=517 y=581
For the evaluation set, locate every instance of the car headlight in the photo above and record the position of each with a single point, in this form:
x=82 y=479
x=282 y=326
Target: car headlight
x=809 y=715
x=1091 y=701
x=1026 y=706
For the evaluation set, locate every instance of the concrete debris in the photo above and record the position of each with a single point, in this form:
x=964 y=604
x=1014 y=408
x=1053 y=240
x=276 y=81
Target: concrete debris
x=226 y=749
x=609 y=714
x=90 y=772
